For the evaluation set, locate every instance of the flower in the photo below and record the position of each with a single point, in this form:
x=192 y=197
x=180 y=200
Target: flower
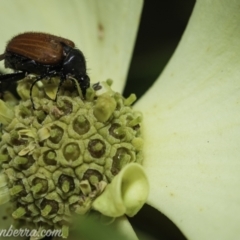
x=191 y=113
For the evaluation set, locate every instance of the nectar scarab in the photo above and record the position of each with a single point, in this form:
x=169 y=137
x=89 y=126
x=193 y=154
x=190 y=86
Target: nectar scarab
x=44 y=55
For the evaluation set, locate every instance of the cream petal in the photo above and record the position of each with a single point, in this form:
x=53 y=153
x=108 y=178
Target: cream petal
x=192 y=127
x=5 y=210
x=122 y=225
x=126 y=194
x=6 y=227
x=104 y=30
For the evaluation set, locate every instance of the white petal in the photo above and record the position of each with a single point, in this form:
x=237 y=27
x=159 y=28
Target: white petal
x=192 y=127
x=126 y=194
x=104 y=30
x=7 y=228
x=123 y=226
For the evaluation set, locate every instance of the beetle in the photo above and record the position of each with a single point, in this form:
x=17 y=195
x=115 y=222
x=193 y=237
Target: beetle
x=44 y=55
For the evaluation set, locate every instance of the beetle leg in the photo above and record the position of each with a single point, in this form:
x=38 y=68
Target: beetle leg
x=62 y=79
x=2 y=56
x=84 y=83
x=12 y=77
x=7 y=79
x=31 y=88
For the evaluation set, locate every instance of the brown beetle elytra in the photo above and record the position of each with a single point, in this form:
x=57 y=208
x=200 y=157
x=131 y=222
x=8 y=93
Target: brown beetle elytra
x=45 y=55
x=41 y=47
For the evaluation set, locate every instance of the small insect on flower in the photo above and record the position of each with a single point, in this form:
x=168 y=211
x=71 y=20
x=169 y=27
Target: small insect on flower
x=45 y=55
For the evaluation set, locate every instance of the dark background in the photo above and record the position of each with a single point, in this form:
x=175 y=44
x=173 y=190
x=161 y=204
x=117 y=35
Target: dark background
x=161 y=27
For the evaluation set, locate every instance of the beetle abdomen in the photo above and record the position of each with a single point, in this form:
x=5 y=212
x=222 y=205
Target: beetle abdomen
x=41 y=47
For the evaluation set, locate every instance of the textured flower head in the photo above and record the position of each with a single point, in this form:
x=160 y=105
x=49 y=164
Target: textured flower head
x=59 y=158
